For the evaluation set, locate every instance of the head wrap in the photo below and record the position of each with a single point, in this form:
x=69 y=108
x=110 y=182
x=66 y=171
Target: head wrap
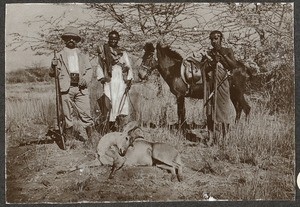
x=114 y=35
x=214 y=33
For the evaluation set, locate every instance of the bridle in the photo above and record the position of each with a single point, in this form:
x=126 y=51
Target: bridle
x=148 y=69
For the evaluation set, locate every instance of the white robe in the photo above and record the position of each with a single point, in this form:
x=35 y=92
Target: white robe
x=115 y=89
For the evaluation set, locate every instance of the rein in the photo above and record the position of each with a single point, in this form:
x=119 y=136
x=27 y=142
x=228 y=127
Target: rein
x=149 y=59
x=148 y=70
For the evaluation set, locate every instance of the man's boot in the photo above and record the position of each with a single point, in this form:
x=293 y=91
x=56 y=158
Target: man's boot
x=89 y=131
x=93 y=137
x=69 y=136
x=211 y=138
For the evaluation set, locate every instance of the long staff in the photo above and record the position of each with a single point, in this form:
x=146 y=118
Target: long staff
x=215 y=101
x=123 y=99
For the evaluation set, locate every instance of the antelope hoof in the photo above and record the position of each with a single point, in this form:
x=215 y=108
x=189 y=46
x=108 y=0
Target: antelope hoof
x=111 y=176
x=112 y=173
x=180 y=178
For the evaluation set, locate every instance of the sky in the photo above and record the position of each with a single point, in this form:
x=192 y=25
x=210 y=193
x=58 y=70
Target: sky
x=17 y=14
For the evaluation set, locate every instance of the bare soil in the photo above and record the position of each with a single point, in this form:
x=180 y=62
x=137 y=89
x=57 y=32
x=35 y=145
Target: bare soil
x=41 y=173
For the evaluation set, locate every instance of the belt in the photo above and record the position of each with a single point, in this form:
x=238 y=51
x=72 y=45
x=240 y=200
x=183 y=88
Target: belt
x=74 y=84
x=74 y=74
x=74 y=79
x=119 y=64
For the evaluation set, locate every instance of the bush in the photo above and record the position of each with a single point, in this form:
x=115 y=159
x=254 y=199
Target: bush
x=276 y=87
x=28 y=75
x=281 y=89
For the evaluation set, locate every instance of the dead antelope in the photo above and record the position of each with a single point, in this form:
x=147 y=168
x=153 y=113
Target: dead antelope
x=112 y=148
x=131 y=149
x=162 y=155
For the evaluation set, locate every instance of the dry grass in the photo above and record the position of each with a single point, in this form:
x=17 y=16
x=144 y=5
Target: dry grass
x=257 y=158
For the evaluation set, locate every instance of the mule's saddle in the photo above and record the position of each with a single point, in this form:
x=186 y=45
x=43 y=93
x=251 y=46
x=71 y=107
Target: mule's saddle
x=191 y=72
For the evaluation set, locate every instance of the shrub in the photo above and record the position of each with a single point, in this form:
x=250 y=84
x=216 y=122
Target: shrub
x=28 y=75
x=276 y=87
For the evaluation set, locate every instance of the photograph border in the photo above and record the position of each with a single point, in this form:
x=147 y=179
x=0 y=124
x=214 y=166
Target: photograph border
x=186 y=203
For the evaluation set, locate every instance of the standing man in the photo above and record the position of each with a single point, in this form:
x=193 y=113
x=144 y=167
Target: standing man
x=223 y=62
x=114 y=71
x=75 y=72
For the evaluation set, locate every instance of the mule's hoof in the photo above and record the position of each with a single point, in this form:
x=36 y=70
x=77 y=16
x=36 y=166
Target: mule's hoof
x=210 y=142
x=173 y=178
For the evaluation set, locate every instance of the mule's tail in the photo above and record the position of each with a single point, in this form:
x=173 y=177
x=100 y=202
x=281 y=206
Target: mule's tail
x=249 y=72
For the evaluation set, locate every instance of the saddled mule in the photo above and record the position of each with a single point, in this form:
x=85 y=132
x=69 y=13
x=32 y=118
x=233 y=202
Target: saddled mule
x=169 y=62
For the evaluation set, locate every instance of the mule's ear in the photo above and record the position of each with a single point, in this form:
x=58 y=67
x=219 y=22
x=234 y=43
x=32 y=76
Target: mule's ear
x=149 y=47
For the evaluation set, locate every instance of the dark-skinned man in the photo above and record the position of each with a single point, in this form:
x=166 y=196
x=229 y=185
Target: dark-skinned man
x=114 y=71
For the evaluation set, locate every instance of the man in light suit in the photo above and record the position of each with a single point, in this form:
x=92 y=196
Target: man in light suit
x=75 y=72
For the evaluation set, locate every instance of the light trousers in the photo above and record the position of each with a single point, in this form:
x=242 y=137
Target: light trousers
x=77 y=100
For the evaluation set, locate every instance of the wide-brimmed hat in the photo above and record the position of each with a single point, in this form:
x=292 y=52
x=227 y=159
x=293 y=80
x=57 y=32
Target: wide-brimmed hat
x=71 y=31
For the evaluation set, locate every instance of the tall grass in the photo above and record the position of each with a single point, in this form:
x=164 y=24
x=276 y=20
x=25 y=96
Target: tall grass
x=39 y=111
x=28 y=106
x=261 y=135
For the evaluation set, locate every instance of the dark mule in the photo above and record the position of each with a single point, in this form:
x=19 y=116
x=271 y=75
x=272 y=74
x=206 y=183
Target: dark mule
x=168 y=63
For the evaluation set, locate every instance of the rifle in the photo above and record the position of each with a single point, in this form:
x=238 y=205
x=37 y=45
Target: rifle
x=104 y=102
x=103 y=60
x=61 y=123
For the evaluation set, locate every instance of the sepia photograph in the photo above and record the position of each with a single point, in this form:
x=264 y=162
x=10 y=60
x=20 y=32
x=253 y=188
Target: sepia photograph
x=149 y=102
